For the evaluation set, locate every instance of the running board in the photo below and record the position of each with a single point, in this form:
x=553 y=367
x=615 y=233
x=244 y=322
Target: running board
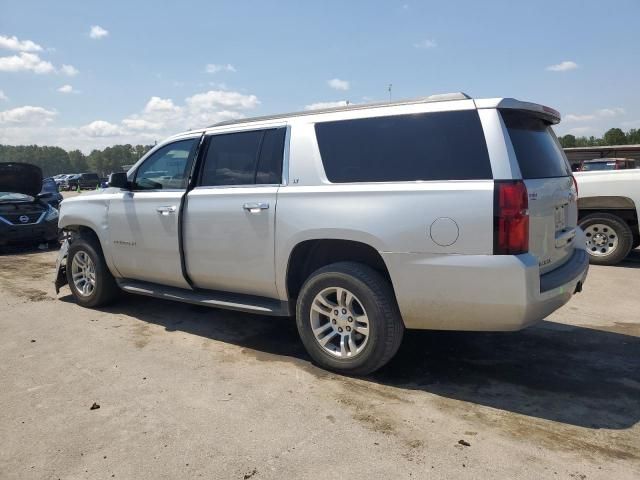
x=209 y=298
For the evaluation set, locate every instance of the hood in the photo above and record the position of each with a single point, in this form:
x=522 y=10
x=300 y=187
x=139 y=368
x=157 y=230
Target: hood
x=20 y=178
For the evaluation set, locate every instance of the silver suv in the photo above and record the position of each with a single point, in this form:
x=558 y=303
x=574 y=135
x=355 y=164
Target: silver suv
x=443 y=213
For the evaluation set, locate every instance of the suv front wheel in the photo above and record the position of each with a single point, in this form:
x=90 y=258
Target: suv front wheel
x=89 y=278
x=348 y=318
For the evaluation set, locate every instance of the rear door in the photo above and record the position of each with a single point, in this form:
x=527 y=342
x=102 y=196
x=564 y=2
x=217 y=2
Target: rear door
x=229 y=221
x=553 y=209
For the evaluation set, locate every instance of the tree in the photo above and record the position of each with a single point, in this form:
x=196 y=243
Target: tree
x=568 y=141
x=614 y=136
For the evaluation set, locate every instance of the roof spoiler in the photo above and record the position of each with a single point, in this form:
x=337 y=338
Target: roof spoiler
x=547 y=113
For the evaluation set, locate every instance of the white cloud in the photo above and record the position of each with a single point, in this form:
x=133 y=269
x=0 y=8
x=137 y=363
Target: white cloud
x=578 y=118
x=100 y=128
x=26 y=115
x=12 y=43
x=3 y=96
x=65 y=89
x=598 y=114
x=25 y=62
x=563 y=66
x=425 y=44
x=215 y=68
x=69 y=70
x=611 y=112
x=338 y=84
x=222 y=98
x=158 y=118
x=157 y=104
x=98 y=32
x=321 y=105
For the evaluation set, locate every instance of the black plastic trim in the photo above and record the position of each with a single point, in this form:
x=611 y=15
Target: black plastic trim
x=575 y=267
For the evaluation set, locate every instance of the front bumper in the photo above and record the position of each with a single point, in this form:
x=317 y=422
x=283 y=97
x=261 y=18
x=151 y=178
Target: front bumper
x=26 y=234
x=480 y=292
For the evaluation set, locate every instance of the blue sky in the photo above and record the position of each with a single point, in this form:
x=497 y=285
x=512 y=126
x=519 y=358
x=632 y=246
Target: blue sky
x=151 y=69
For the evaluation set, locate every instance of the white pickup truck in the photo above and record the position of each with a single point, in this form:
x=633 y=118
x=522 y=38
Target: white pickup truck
x=609 y=206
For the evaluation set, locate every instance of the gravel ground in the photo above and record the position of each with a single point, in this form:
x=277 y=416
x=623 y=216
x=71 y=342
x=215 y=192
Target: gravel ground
x=190 y=392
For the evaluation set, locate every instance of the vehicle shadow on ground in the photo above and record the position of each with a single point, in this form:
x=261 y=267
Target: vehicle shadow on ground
x=632 y=260
x=569 y=374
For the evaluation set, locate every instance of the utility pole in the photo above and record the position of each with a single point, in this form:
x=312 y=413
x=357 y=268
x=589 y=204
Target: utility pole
x=389 y=88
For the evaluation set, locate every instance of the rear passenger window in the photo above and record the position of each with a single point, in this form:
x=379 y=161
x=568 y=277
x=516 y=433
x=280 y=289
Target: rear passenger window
x=538 y=151
x=244 y=158
x=425 y=146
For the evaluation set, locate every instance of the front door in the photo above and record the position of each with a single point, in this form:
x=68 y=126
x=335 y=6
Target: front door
x=143 y=222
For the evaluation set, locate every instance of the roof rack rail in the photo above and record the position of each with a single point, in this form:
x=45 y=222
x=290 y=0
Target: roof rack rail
x=444 y=97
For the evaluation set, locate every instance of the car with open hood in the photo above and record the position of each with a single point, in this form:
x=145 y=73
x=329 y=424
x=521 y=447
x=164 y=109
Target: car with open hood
x=25 y=218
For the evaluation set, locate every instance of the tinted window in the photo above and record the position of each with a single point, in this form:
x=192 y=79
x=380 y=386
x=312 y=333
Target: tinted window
x=244 y=158
x=536 y=147
x=271 y=156
x=426 y=146
x=167 y=168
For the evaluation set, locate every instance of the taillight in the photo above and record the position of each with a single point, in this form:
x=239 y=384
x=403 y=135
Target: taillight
x=511 y=219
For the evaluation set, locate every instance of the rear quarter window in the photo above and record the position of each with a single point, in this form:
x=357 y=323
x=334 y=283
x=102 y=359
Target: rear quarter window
x=425 y=146
x=536 y=147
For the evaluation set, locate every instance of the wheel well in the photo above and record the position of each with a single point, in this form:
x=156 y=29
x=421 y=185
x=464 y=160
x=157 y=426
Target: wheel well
x=310 y=255
x=629 y=216
x=83 y=231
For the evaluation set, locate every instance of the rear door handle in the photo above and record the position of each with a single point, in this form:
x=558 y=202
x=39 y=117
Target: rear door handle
x=255 y=207
x=166 y=210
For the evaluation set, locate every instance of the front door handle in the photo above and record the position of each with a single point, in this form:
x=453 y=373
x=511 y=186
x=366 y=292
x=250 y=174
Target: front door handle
x=166 y=210
x=255 y=207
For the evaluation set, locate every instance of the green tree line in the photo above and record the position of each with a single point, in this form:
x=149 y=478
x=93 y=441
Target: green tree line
x=55 y=160
x=613 y=136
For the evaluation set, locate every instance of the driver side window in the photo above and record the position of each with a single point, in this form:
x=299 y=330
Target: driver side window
x=168 y=168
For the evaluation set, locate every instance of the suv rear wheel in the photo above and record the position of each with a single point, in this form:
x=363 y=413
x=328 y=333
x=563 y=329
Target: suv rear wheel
x=348 y=318
x=89 y=278
x=609 y=238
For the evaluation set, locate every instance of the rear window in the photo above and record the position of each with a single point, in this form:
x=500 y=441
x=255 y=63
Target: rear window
x=425 y=146
x=538 y=151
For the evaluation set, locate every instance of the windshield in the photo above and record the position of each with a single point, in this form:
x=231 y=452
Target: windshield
x=599 y=166
x=12 y=197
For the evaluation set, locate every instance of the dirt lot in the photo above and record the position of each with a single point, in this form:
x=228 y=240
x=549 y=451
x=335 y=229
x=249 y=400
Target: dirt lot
x=190 y=392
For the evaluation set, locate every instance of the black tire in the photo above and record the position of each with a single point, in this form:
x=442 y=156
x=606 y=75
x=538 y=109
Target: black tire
x=622 y=231
x=106 y=290
x=636 y=239
x=374 y=292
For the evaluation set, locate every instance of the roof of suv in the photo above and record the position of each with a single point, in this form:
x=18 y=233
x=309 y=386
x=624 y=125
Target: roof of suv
x=549 y=114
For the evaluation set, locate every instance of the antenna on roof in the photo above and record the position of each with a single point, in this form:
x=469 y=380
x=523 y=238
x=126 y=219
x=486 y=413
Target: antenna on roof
x=389 y=89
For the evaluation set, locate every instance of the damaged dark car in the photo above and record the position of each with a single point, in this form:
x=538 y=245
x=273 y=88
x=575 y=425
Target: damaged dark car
x=25 y=217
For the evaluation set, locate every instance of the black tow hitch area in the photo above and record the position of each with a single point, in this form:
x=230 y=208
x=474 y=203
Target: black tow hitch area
x=578 y=288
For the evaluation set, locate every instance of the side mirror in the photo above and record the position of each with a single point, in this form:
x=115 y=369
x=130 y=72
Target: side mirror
x=119 y=180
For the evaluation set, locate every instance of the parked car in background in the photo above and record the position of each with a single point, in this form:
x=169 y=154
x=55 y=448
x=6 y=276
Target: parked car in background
x=413 y=214
x=82 y=181
x=609 y=208
x=67 y=182
x=608 y=164
x=25 y=218
x=50 y=192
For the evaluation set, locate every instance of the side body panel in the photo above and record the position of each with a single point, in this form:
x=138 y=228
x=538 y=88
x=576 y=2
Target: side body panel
x=227 y=246
x=143 y=236
x=91 y=210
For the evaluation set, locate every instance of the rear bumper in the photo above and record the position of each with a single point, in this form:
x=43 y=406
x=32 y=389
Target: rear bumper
x=24 y=234
x=480 y=292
